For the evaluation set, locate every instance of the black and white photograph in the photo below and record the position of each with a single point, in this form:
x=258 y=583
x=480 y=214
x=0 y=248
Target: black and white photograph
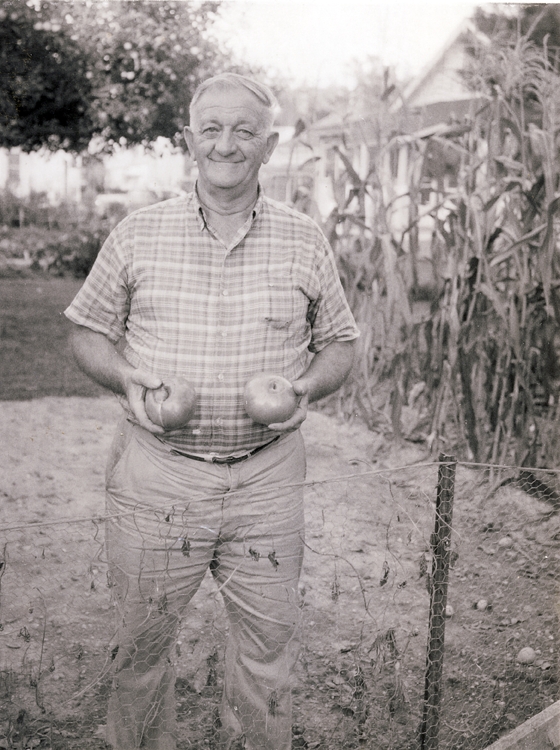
x=279 y=375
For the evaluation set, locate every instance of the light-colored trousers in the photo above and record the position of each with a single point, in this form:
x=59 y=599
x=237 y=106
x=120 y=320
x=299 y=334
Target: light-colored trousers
x=172 y=518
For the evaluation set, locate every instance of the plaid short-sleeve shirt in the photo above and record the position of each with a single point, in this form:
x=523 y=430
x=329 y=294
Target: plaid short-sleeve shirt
x=187 y=305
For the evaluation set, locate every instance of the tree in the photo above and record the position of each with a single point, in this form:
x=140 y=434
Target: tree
x=147 y=59
x=45 y=91
x=124 y=71
x=537 y=23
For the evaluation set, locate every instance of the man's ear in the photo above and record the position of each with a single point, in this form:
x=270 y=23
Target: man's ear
x=188 y=136
x=271 y=143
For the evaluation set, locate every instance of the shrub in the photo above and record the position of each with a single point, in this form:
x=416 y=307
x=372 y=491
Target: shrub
x=73 y=252
x=34 y=210
x=62 y=240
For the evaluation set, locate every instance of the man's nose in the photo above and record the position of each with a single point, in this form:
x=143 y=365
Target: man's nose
x=225 y=144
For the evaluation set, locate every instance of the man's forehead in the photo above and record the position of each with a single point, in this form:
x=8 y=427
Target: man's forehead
x=230 y=103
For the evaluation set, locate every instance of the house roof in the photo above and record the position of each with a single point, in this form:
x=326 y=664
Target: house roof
x=434 y=99
x=440 y=80
x=331 y=124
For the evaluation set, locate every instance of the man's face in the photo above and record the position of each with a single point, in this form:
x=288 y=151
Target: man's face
x=229 y=139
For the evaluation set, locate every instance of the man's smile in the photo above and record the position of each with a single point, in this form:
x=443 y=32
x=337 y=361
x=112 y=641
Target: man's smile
x=225 y=161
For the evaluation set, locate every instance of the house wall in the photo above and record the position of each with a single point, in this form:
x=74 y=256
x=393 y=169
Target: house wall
x=287 y=171
x=161 y=170
x=58 y=175
x=64 y=177
x=428 y=115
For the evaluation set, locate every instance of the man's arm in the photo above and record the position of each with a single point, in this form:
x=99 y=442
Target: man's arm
x=328 y=370
x=98 y=357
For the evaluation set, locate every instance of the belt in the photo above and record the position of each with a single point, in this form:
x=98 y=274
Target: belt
x=224 y=459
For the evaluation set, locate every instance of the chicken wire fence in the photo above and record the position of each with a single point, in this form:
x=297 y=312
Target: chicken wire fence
x=427 y=610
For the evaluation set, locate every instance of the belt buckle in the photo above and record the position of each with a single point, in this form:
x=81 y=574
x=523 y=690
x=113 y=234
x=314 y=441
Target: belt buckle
x=228 y=459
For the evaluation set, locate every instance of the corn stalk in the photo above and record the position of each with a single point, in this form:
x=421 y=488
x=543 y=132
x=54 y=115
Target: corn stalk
x=482 y=367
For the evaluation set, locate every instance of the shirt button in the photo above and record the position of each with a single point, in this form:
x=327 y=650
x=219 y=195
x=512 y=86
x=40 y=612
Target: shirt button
x=219 y=421
x=225 y=292
x=221 y=376
x=223 y=334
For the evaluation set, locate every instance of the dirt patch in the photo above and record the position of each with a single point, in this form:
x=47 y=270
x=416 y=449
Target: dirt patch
x=365 y=593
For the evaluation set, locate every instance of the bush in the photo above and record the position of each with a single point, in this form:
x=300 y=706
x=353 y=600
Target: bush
x=73 y=251
x=61 y=240
x=34 y=210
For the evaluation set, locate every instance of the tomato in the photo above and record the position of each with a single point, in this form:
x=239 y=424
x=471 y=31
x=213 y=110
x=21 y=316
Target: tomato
x=269 y=398
x=172 y=405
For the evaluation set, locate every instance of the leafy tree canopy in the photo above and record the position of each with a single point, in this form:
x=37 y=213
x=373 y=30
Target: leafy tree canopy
x=147 y=59
x=540 y=23
x=45 y=91
x=124 y=71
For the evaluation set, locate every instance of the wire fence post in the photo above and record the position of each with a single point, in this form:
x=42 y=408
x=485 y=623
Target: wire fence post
x=441 y=548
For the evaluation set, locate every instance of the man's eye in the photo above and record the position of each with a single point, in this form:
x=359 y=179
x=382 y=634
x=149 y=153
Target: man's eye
x=245 y=133
x=210 y=130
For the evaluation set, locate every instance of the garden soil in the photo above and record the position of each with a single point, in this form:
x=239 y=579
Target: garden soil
x=365 y=592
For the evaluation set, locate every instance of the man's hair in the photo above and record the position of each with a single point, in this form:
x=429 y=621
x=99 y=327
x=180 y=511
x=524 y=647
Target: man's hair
x=228 y=81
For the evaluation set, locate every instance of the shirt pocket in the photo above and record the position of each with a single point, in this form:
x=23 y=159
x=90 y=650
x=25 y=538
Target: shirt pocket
x=279 y=302
x=279 y=308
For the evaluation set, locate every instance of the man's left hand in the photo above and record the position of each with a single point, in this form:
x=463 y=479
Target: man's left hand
x=301 y=387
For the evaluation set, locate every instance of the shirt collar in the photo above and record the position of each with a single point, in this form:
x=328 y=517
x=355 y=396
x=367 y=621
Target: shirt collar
x=257 y=208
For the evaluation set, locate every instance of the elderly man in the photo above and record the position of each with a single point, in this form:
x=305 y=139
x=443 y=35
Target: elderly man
x=213 y=287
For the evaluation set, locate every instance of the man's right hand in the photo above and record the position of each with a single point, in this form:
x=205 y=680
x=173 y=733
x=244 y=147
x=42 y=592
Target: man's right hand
x=135 y=388
x=99 y=358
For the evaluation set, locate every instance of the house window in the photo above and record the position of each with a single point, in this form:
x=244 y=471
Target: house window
x=426 y=190
x=451 y=179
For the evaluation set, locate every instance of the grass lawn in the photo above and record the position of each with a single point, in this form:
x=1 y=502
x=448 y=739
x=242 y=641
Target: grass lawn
x=35 y=358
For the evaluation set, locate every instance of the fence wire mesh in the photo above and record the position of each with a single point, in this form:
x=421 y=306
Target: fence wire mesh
x=363 y=609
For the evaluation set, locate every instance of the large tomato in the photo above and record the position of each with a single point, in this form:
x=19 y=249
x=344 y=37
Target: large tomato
x=172 y=405
x=269 y=398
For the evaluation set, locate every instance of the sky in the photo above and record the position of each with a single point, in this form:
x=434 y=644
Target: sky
x=315 y=41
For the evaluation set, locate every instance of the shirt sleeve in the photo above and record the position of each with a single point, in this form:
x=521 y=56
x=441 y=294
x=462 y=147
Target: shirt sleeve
x=329 y=314
x=103 y=302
